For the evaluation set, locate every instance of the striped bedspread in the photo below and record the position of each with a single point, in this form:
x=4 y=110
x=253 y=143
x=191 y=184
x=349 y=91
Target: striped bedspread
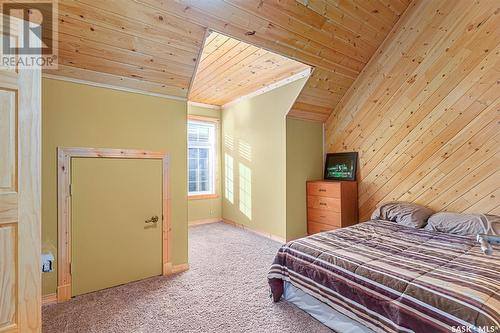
x=393 y=278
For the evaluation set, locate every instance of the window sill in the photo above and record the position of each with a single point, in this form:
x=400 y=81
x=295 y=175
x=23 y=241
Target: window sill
x=202 y=196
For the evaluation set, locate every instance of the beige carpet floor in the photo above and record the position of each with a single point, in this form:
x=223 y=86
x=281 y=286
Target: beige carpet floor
x=225 y=290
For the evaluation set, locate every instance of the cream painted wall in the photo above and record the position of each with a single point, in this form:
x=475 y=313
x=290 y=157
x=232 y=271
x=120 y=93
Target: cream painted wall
x=204 y=111
x=84 y=116
x=304 y=161
x=253 y=134
x=207 y=209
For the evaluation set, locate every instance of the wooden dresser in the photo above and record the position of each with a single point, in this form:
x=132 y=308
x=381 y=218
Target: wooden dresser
x=331 y=205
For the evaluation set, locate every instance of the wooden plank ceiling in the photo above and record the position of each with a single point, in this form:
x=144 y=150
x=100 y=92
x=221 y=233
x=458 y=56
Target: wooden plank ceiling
x=229 y=69
x=153 y=45
x=127 y=44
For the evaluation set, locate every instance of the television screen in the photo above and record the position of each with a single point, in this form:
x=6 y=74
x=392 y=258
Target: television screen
x=341 y=166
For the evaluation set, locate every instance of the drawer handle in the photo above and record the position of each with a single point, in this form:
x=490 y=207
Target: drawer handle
x=322 y=216
x=322 y=203
x=321 y=190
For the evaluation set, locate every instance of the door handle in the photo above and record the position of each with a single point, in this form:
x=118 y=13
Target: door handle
x=153 y=219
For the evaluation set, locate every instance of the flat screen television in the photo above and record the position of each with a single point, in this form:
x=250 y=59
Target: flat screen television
x=341 y=166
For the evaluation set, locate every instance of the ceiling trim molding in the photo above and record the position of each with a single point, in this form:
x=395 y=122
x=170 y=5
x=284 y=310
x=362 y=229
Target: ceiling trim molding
x=204 y=105
x=305 y=73
x=110 y=86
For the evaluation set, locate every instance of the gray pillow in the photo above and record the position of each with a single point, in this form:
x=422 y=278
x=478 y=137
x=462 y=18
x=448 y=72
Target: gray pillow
x=405 y=213
x=464 y=224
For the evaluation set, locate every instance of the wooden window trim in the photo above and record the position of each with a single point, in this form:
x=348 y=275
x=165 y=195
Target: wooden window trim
x=64 y=156
x=203 y=196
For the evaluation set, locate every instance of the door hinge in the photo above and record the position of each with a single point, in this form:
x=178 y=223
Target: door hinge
x=70 y=269
x=70 y=190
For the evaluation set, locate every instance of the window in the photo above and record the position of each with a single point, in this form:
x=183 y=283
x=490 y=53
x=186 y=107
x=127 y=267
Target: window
x=201 y=157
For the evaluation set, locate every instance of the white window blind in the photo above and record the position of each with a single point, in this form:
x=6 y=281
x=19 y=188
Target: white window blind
x=201 y=157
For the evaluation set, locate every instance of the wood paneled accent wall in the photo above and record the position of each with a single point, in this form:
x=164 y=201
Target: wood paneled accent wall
x=425 y=113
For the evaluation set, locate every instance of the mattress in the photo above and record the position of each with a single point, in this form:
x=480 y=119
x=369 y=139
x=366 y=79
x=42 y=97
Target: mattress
x=335 y=320
x=393 y=278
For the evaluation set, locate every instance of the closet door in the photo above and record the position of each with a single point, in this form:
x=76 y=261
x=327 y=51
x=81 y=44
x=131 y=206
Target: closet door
x=20 y=151
x=116 y=222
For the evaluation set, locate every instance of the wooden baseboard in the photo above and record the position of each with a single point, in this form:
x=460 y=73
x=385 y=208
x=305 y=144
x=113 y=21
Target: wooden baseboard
x=49 y=299
x=174 y=269
x=258 y=232
x=180 y=268
x=204 y=221
x=63 y=293
x=167 y=268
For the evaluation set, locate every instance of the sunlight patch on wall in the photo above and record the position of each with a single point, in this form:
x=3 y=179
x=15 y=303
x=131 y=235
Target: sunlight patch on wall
x=228 y=142
x=229 y=178
x=245 y=190
x=245 y=150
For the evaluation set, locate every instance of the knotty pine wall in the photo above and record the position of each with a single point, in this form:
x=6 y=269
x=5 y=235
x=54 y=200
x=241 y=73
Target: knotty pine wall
x=425 y=113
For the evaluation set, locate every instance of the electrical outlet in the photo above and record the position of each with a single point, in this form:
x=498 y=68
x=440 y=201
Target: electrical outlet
x=47 y=267
x=47 y=262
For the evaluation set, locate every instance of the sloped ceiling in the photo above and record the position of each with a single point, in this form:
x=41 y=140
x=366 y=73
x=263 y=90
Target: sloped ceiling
x=154 y=45
x=229 y=69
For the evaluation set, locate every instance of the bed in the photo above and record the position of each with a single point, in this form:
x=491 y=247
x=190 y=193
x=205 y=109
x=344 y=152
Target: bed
x=387 y=277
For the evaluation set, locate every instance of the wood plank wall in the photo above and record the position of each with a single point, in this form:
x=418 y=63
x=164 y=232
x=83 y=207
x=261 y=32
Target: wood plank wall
x=425 y=112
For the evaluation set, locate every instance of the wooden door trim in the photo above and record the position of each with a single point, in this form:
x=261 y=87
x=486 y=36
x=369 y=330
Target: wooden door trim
x=64 y=156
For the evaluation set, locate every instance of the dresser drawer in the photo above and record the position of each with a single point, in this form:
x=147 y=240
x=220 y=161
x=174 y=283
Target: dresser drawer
x=323 y=203
x=324 y=189
x=324 y=216
x=314 y=228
